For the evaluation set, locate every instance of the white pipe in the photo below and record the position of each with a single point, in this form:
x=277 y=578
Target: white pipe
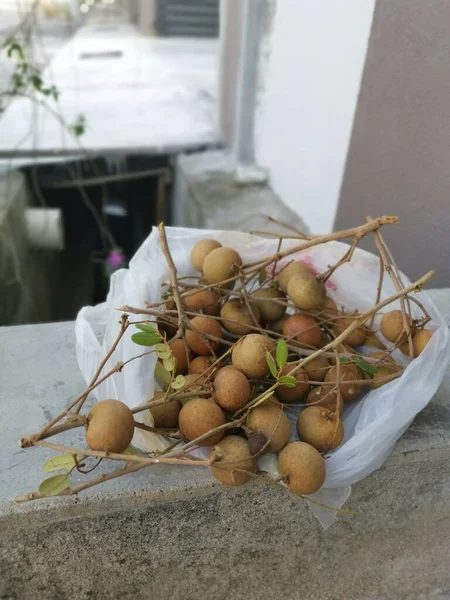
x=45 y=228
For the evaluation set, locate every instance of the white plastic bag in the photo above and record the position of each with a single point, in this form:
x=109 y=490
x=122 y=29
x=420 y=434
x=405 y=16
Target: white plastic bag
x=372 y=425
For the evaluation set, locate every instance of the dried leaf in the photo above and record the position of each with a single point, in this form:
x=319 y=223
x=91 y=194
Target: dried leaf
x=271 y=364
x=54 y=485
x=61 y=462
x=282 y=353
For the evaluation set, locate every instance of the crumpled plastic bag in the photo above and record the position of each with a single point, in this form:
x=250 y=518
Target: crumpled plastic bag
x=372 y=425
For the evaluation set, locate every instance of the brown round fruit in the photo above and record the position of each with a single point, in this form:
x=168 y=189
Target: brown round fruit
x=110 y=426
x=204 y=301
x=293 y=268
x=200 y=364
x=232 y=453
x=294 y=394
x=385 y=367
x=306 y=291
x=317 y=368
x=303 y=466
x=236 y=317
x=328 y=311
x=349 y=373
x=356 y=337
x=195 y=338
x=324 y=396
x=221 y=264
x=320 y=427
x=277 y=326
x=199 y=416
x=420 y=340
x=372 y=341
x=270 y=420
x=165 y=415
x=303 y=329
x=201 y=250
x=193 y=382
x=392 y=325
x=231 y=389
x=179 y=352
x=249 y=355
x=270 y=303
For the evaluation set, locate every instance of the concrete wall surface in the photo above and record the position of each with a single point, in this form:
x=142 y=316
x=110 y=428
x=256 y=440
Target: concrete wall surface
x=174 y=534
x=400 y=148
x=311 y=68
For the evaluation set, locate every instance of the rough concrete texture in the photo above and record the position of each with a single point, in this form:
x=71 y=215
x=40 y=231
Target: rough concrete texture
x=212 y=191
x=185 y=538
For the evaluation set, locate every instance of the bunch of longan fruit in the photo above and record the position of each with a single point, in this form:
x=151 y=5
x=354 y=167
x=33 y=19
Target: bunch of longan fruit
x=229 y=358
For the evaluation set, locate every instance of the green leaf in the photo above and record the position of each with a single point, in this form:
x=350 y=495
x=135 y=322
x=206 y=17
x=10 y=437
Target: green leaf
x=178 y=382
x=369 y=369
x=146 y=339
x=276 y=285
x=169 y=363
x=54 y=485
x=61 y=462
x=132 y=450
x=271 y=364
x=288 y=381
x=36 y=81
x=163 y=351
x=282 y=353
x=344 y=359
x=162 y=374
x=146 y=327
x=262 y=276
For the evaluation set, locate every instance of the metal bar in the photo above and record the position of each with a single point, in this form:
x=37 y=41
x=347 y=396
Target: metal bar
x=163 y=173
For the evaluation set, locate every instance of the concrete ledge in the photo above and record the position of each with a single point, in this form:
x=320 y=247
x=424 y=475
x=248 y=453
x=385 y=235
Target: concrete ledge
x=148 y=536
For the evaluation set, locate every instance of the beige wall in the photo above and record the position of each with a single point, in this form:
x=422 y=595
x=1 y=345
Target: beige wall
x=399 y=156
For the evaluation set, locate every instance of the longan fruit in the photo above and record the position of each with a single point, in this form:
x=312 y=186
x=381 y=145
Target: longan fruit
x=317 y=368
x=165 y=415
x=306 y=291
x=199 y=416
x=270 y=307
x=293 y=268
x=277 y=326
x=201 y=250
x=383 y=370
x=349 y=373
x=325 y=396
x=420 y=341
x=270 y=420
x=221 y=264
x=206 y=301
x=110 y=426
x=320 y=427
x=197 y=342
x=231 y=389
x=303 y=329
x=356 y=337
x=249 y=355
x=232 y=453
x=287 y=394
x=236 y=317
x=392 y=325
x=179 y=352
x=304 y=467
x=328 y=310
x=200 y=364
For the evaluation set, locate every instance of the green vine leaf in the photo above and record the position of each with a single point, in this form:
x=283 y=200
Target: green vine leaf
x=178 y=382
x=271 y=364
x=369 y=369
x=146 y=338
x=61 y=462
x=282 y=353
x=288 y=381
x=162 y=374
x=131 y=450
x=169 y=363
x=163 y=351
x=79 y=127
x=54 y=485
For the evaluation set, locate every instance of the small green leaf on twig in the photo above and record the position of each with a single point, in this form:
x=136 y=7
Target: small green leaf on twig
x=146 y=338
x=288 y=381
x=147 y=327
x=344 y=359
x=282 y=353
x=54 y=485
x=276 y=285
x=132 y=450
x=61 y=462
x=369 y=369
x=271 y=364
x=169 y=363
x=178 y=382
x=162 y=374
x=79 y=127
x=163 y=351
